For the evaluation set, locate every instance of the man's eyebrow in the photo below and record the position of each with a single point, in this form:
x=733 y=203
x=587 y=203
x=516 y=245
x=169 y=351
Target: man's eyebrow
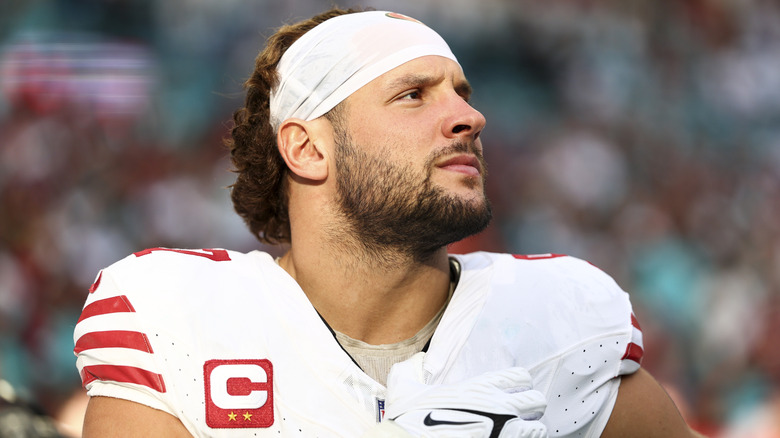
x=462 y=87
x=411 y=81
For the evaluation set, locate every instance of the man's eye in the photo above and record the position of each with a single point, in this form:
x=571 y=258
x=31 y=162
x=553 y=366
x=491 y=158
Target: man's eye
x=412 y=95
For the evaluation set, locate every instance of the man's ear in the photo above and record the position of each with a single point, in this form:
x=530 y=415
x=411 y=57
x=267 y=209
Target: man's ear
x=302 y=150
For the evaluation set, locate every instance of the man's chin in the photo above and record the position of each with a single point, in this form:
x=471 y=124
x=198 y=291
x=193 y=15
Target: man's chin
x=474 y=216
x=472 y=198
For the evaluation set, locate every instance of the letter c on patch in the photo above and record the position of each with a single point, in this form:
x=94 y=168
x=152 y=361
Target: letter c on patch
x=230 y=382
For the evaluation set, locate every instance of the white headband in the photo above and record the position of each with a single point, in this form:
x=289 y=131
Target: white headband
x=339 y=56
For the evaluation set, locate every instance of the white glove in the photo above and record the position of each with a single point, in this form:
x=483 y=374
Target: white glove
x=496 y=404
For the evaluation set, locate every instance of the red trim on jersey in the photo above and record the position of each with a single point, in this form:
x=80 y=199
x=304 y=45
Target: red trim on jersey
x=537 y=256
x=96 y=284
x=123 y=374
x=635 y=322
x=109 y=305
x=113 y=339
x=217 y=255
x=633 y=352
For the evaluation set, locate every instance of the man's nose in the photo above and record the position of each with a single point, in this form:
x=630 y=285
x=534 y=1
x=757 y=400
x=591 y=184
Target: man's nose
x=465 y=121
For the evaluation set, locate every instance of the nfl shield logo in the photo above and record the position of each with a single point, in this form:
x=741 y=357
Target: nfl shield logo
x=380 y=410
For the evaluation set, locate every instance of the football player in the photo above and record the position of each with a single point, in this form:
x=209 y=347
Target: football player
x=357 y=147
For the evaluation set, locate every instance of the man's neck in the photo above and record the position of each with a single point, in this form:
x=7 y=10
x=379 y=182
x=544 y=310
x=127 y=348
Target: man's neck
x=364 y=296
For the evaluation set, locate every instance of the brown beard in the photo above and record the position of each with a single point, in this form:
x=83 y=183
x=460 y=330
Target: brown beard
x=390 y=207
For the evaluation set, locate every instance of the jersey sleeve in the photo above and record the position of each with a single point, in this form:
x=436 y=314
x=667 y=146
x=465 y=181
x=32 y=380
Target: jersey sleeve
x=114 y=354
x=605 y=342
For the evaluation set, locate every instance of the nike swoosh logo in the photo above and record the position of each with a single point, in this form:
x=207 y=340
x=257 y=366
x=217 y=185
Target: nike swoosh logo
x=428 y=421
x=498 y=420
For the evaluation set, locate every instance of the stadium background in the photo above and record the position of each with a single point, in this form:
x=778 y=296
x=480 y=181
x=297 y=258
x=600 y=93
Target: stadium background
x=642 y=136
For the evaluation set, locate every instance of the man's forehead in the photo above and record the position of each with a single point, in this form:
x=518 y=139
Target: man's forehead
x=422 y=71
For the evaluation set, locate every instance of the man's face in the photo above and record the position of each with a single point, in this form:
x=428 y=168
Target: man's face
x=410 y=172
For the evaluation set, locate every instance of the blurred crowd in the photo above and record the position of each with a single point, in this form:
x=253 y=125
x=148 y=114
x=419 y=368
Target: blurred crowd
x=642 y=136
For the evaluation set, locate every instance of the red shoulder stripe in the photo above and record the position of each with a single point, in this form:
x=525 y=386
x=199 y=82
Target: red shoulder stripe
x=123 y=374
x=633 y=352
x=113 y=339
x=635 y=322
x=108 y=305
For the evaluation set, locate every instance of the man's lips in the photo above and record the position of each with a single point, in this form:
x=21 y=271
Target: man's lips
x=465 y=164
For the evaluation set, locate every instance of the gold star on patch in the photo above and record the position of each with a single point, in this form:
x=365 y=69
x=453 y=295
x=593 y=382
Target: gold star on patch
x=232 y=417
x=247 y=416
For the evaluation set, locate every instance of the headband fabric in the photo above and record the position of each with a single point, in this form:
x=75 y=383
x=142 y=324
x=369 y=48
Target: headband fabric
x=342 y=54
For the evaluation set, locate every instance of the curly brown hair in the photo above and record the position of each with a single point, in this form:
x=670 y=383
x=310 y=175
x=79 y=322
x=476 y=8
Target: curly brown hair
x=260 y=194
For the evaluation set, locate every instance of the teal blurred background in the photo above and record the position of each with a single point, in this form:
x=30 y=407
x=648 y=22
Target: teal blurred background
x=642 y=136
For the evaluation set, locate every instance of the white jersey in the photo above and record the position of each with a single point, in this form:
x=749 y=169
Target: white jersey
x=228 y=342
